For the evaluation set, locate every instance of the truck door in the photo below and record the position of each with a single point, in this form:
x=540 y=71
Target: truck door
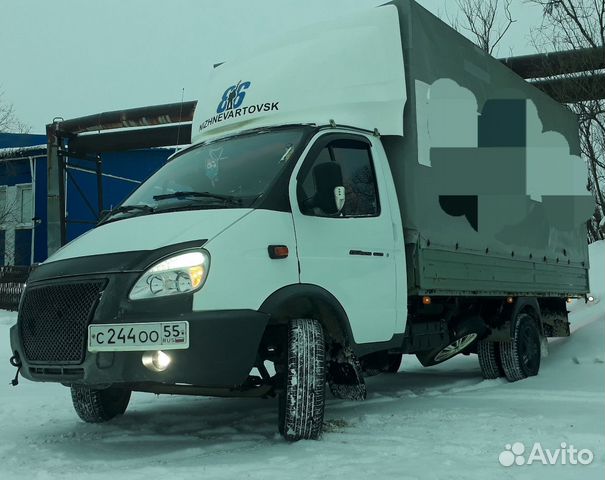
x=351 y=253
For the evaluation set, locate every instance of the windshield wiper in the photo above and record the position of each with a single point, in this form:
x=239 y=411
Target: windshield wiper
x=130 y=208
x=184 y=195
x=125 y=209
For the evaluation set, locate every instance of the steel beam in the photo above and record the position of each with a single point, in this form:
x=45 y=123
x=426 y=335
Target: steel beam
x=133 y=117
x=55 y=201
x=574 y=89
x=542 y=65
x=130 y=140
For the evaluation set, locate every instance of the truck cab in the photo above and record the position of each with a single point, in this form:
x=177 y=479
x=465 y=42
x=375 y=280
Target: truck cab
x=231 y=243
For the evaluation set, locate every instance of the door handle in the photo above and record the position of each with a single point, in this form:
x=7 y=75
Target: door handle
x=364 y=253
x=360 y=252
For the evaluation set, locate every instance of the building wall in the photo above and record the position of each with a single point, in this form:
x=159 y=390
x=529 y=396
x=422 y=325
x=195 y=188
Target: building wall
x=23 y=192
x=16 y=212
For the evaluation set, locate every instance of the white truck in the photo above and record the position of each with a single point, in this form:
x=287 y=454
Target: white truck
x=362 y=189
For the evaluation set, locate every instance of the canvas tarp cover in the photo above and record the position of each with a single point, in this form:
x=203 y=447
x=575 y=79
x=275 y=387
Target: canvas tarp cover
x=491 y=184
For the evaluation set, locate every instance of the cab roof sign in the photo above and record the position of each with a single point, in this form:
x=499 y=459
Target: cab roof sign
x=349 y=70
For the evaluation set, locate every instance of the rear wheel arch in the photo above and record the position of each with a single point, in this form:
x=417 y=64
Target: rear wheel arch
x=529 y=306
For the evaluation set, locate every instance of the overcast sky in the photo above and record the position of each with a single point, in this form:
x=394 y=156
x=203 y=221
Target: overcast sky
x=69 y=58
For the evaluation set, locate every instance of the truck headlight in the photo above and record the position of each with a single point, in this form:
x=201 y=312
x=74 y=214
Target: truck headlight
x=182 y=273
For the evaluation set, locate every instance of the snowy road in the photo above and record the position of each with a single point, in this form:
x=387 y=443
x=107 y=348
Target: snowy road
x=442 y=422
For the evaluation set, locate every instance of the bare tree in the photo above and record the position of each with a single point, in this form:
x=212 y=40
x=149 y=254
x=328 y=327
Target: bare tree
x=572 y=25
x=8 y=120
x=487 y=21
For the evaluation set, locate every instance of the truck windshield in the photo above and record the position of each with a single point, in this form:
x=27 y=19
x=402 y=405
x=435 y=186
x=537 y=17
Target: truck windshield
x=227 y=173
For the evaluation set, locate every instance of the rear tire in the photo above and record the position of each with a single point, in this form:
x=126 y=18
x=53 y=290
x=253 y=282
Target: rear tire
x=302 y=403
x=489 y=359
x=97 y=406
x=521 y=355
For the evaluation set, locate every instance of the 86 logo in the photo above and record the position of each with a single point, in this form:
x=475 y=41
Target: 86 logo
x=233 y=97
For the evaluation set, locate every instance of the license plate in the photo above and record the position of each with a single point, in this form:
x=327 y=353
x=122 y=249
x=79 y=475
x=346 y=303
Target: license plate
x=138 y=336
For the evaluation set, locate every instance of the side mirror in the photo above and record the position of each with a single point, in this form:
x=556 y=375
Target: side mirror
x=339 y=198
x=328 y=179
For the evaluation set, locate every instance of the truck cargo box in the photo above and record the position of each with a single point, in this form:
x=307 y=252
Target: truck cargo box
x=491 y=185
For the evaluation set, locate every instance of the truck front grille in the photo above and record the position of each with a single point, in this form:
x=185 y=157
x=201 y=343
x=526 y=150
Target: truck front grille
x=53 y=320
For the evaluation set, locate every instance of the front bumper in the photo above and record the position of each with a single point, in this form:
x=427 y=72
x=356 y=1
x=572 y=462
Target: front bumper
x=223 y=344
x=223 y=349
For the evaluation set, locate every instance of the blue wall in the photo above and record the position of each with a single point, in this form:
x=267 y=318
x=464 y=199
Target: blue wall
x=15 y=140
x=83 y=205
x=12 y=173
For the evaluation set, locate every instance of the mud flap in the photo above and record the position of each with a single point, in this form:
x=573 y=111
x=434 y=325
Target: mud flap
x=543 y=346
x=556 y=327
x=345 y=376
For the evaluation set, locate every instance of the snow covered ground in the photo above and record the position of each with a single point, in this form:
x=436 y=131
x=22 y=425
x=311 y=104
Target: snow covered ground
x=443 y=422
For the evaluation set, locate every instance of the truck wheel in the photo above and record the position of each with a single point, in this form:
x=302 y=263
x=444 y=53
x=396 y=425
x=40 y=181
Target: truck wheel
x=301 y=404
x=97 y=406
x=489 y=359
x=521 y=355
x=433 y=357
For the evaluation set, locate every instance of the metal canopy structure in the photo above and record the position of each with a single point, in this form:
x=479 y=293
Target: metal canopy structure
x=569 y=77
x=86 y=137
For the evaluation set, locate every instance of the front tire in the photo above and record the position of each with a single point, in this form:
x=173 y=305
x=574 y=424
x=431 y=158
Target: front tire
x=98 y=406
x=302 y=403
x=521 y=355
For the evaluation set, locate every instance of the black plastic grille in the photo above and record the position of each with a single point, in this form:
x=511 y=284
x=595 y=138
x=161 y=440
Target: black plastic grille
x=53 y=320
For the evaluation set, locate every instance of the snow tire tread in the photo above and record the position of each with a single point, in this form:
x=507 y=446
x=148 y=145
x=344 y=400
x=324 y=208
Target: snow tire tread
x=509 y=352
x=303 y=400
x=98 y=406
x=489 y=359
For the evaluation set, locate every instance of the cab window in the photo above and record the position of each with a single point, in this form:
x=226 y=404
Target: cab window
x=358 y=177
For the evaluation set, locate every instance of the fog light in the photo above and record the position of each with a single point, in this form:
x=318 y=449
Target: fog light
x=157 y=361
x=590 y=298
